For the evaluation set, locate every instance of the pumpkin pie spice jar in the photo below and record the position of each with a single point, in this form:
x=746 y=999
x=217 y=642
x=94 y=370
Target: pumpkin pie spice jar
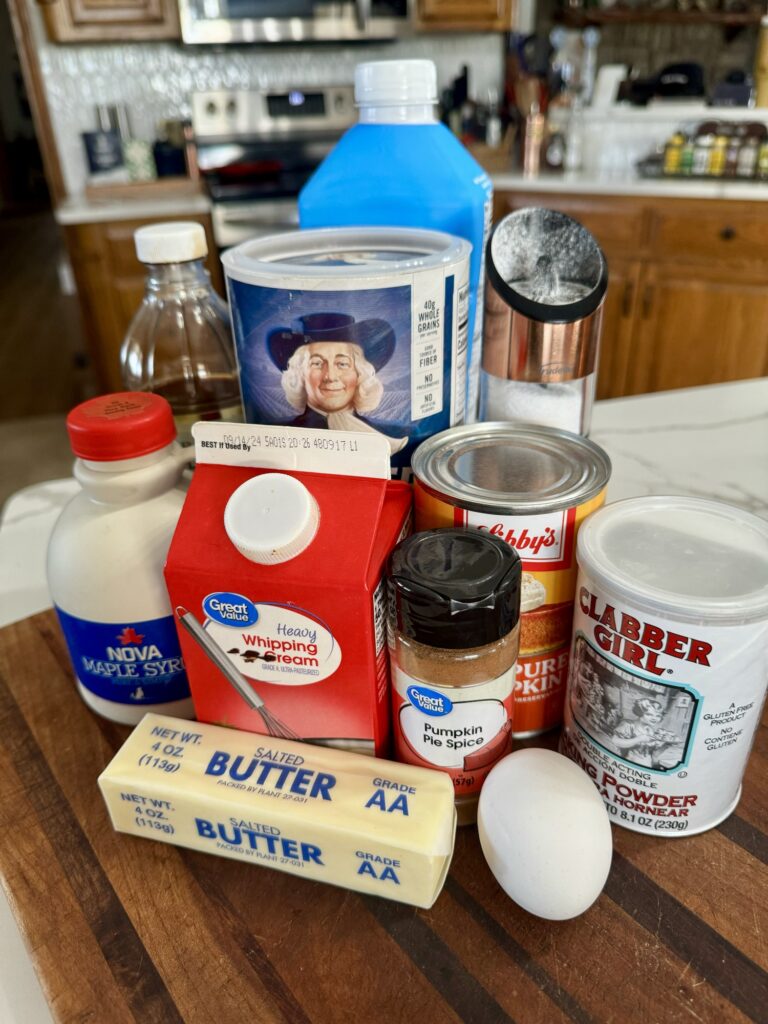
x=454 y=610
x=532 y=487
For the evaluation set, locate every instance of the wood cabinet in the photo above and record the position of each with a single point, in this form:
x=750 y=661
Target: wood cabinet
x=687 y=300
x=465 y=15
x=619 y=314
x=70 y=21
x=697 y=328
x=110 y=285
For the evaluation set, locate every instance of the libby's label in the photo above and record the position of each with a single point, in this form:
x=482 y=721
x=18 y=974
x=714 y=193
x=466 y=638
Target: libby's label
x=271 y=643
x=543 y=541
x=662 y=713
x=127 y=662
x=463 y=730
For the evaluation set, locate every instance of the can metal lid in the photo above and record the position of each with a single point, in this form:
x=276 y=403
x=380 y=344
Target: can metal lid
x=687 y=558
x=355 y=253
x=511 y=469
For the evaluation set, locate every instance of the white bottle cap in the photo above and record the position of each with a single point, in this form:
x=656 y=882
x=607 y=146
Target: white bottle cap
x=395 y=82
x=271 y=518
x=175 y=242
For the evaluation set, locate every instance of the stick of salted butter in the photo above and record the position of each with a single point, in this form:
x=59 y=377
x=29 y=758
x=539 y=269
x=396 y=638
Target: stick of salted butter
x=347 y=819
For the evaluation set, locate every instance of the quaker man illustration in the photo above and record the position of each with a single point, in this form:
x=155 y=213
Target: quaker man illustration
x=329 y=367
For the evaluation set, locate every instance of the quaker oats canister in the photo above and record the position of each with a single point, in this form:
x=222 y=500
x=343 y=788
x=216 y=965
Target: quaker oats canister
x=669 y=662
x=532 y=487
x=355 y=329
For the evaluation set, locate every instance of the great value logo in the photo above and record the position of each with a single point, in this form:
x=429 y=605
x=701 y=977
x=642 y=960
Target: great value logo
x=230 y=609
x=429 y=702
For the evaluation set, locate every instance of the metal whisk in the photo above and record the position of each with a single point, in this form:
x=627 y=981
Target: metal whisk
x=235 y=678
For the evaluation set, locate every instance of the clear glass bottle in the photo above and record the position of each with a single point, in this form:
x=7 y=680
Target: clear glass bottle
x=179 y=344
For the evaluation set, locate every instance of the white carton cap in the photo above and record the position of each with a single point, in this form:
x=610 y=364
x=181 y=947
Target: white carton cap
x=395 y=82
x=271 y=518
x=174 y=242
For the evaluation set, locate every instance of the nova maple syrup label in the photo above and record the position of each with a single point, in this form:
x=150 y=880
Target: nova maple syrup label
x=660 y=713
x=127 y=662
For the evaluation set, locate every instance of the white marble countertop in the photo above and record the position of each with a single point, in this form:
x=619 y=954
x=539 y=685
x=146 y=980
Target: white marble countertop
x=710 y=442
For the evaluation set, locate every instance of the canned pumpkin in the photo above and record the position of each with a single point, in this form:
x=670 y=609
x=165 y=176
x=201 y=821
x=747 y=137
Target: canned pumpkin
x=532 y=487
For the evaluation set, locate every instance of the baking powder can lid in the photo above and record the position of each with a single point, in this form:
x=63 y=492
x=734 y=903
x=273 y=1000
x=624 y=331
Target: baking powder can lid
x=691 y=559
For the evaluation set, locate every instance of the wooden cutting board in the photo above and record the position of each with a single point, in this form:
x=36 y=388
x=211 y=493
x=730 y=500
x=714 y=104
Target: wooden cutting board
x=123 y=929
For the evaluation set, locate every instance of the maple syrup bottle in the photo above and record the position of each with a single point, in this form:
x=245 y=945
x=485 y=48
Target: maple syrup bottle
x=106 y=557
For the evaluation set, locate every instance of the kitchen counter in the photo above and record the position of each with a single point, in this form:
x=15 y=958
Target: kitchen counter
x=85 y=210
x=706 y=441
x=82 y=210
x=585 y=183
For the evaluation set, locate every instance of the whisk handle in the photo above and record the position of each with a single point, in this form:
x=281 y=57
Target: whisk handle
x=219 y=658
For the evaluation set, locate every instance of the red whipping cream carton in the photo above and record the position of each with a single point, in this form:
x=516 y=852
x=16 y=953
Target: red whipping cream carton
x=275 y=573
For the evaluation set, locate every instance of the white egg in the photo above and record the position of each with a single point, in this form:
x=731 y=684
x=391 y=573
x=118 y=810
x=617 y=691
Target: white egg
x=545 y=833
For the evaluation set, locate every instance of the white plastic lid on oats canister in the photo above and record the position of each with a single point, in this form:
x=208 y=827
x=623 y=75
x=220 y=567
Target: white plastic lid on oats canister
x=271 y=518
x=691 y=559
x=312 y=258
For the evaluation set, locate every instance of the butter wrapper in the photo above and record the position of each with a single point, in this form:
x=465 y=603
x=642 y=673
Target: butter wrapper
x=359 y=822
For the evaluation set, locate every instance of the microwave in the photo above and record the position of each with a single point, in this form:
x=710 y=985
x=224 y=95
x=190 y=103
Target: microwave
x=293 y=21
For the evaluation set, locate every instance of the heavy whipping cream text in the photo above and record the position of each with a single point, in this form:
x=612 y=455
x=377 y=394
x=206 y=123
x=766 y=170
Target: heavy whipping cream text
x=638 y=643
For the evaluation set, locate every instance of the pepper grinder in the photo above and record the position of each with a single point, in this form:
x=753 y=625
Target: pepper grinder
x=546 y=281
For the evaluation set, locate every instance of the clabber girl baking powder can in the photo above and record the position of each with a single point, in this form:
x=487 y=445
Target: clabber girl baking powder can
x=669 y=662
x=531 y=486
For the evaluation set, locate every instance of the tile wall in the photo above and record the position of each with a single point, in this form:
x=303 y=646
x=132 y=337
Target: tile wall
x=155 y=79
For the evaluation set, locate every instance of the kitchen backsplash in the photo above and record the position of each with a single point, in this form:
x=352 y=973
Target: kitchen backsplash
x=155 y=79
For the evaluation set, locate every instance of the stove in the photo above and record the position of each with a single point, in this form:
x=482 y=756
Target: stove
x=256 y=148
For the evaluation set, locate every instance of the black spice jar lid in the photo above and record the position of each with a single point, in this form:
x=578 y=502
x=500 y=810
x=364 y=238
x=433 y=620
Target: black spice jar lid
x=454 y=588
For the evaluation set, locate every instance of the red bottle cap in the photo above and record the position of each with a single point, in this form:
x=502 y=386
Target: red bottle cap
x=125 y=425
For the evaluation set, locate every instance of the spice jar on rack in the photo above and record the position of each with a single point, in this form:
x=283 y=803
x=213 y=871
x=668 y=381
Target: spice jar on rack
x=453 y=641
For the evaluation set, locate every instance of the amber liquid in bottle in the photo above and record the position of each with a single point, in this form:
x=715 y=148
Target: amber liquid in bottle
x=179 y=345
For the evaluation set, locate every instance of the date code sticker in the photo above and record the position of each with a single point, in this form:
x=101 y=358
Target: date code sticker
x=299 y=449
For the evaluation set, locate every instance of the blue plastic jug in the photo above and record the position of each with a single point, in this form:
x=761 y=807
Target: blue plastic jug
x=400 y=167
